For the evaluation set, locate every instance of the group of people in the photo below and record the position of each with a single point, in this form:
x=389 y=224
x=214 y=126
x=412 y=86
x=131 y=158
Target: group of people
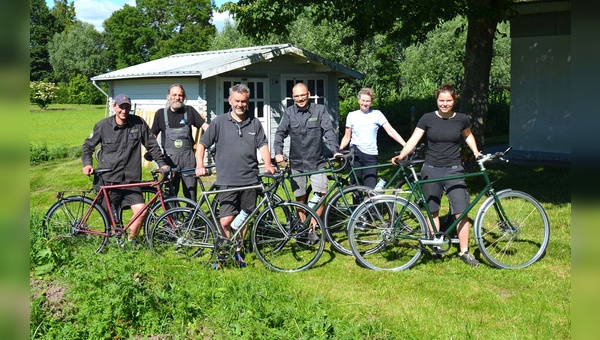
x=239 y=135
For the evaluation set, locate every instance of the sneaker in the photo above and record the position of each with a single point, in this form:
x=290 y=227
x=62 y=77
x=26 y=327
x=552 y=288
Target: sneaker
x=312 y=237
x=239 y=259
x=469 y=259
x=221 y=258
x=127 y=244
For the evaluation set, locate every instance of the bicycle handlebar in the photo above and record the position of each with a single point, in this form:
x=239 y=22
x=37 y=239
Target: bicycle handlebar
x=346 y=155
x=192 y=171
x=277 y=176
x=488 y=157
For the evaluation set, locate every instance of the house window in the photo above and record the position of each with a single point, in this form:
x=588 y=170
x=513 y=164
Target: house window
x=316 y=87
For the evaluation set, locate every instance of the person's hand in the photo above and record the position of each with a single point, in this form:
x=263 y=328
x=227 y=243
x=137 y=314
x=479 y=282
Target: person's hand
x=270 y=168
x=477 y=154
x=88 y=170
x=279 y=158
x=200 y=171
x=395 y=159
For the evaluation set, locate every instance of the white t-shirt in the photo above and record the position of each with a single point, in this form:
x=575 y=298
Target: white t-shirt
x=364 y=129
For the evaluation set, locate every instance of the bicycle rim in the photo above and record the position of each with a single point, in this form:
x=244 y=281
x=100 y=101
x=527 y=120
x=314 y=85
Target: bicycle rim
x=156 y=210
x=518 y=240
x=384 y=233
x=62 y=225
x=337 y=215
x=180 y=232
x=281 y=240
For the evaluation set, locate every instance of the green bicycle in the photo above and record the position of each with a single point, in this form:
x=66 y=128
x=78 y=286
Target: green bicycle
x=390 y=232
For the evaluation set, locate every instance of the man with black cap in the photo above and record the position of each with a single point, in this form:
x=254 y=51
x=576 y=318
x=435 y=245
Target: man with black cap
x=122 y=136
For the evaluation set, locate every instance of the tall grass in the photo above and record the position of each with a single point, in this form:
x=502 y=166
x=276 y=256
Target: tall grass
x=138 y=295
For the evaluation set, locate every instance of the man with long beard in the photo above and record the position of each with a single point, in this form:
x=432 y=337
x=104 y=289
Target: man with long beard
x=175 y=122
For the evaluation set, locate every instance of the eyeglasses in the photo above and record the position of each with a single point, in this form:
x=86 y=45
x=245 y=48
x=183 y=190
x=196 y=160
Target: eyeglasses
x=298 y=96
x=239 y=129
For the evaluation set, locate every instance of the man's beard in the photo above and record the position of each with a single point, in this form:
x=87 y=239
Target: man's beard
x=175 y=105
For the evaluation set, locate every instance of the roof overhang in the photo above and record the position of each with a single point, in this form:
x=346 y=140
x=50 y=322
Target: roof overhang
x=211 y=63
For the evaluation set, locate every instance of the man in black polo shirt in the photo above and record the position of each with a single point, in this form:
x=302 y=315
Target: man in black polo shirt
x=122 y=136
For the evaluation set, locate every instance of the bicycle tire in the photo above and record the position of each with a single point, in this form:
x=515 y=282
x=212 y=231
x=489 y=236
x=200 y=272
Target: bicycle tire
x=184 y=233
x=516 y=244
x=61 y=222
x=280 y=239
x=156 y=210
x=384 y=233
x=337 y=215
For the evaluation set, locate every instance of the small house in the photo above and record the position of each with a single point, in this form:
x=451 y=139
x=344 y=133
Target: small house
x=269 y=71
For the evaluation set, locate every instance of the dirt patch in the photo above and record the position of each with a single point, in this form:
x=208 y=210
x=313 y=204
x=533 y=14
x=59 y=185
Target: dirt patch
x=53 y=294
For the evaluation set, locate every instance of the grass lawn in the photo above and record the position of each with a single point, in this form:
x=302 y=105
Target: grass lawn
x=138 y=295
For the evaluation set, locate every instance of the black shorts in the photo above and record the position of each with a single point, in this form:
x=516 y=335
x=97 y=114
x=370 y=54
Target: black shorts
x=456 y=189
x=231 y=203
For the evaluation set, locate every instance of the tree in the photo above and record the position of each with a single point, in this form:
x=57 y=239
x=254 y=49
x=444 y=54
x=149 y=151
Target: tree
x=157 y=28
x=128 y=37
x=78 y=50
x=41 y=30
x=64 y=14
x=406 y=22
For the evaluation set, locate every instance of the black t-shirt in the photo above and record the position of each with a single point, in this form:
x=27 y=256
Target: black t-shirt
x=176 y=120
x=443 y=138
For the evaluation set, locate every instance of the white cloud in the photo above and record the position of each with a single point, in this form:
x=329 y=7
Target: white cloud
x=219 y=20
x=96 y=11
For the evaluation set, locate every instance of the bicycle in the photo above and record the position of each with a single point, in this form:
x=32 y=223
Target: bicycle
x=390 y=232
x=343 y=203
x=339 y=200
x=278 y=235
x=88 y=221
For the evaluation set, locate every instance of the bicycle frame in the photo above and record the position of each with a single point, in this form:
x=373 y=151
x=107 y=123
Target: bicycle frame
x=264 y=202
x=416 y=192
x=115 y=223
x=332 y=187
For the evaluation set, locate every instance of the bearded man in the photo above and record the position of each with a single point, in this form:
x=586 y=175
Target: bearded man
x=174 y=123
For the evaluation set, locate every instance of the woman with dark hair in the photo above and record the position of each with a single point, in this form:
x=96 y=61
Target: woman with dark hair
x=445 y=129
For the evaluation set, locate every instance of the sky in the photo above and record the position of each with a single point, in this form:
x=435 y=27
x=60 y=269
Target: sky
x=96 y=11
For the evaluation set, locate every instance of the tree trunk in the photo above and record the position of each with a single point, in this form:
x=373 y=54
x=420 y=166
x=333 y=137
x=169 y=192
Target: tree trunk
x=483 y=17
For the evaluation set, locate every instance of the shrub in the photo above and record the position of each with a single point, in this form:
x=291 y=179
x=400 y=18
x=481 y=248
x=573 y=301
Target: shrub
x=42 y=93
x=39 y=153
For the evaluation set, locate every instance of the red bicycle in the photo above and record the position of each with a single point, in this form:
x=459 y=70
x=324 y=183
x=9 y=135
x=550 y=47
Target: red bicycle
x=83 y=220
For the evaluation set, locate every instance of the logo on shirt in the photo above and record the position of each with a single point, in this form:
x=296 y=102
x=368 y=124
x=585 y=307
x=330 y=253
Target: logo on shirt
x=312 y=119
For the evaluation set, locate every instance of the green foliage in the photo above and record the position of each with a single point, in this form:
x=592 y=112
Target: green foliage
x=41 y=30
x=42 y=93
x=77 y=50
x=154 y=29
x=64 y=13
x=81 y=91
x=39 y=153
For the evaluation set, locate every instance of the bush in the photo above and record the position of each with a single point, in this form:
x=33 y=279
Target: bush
x=42 y=93
x=39 y=153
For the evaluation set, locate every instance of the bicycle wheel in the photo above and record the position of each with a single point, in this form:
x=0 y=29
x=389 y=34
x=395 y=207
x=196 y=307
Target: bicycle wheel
x=337 y=215
x=63 y=224
x=517 y=238
x=384 y=233
x=181 y=232
x=156 y=210
x=283 y=242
